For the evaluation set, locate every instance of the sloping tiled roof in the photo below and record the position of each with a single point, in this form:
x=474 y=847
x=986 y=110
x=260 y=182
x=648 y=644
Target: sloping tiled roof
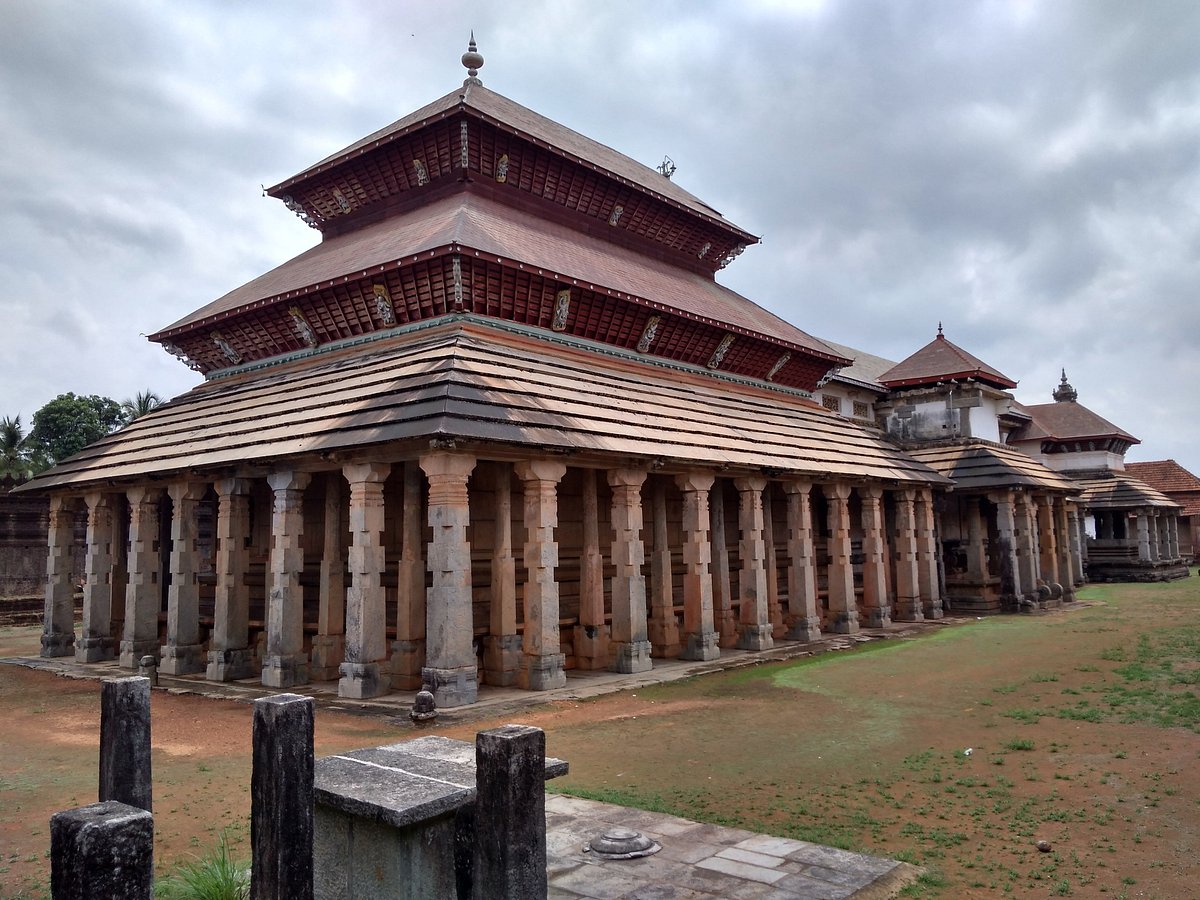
x=1172 y=479
x=940 y=360
x=469 y=222
x=866 y=368
x=1068 y=420
x=469 y=381
x=521 y=120
x=984 y=466
x=1116 y=490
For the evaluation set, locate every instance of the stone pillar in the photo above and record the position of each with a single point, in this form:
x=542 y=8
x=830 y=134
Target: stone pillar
x=329 y=643
x=542 y=661
x=451 y=670
x=928 y=555
x=803 y=618
x=510 y=814
x=58 y=620
x=125 y=769
x=228 y=654
x=143 y=597
x=754 y=626
x=875 y=596
x=843 y=609
x=286 y=664
x=1156 y=541
x=1077 y=544
x=96 y=641
x=663 y=627
x=105 y=850
x=1048 y=547
x=1063 y=530
x=629 y=647
x=183 y=653
x=591 y=634
x=281 y=799
x=1173 y=536
x=723 y=619
x=774 y=605
x=1011 y=585
x=1143 y=536
x=408 y=650
x=976 y=553
x=364 y=673
x=1027 y=560
x=699 y=633
x=502 y=652
x=908 y=580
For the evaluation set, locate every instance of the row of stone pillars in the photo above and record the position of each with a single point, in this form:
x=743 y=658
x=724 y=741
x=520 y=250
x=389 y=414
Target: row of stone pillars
x=1040 y=543
x=435 y=628
x=1157 y=531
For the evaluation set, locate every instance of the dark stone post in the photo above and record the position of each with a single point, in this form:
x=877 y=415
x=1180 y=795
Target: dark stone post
x=102 y=852
x=125 y=742
x=281 y=799
x=510 y=813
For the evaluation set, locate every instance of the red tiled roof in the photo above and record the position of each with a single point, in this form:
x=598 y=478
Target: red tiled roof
x=940 y=360
x=493 y=107
x=468 y=223
x=1172 y=479
x=1068 y=420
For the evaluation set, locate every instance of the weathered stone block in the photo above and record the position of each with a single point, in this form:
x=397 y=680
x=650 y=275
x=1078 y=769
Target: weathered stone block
x=102 y=852
x=125 y=774
x=281 y=799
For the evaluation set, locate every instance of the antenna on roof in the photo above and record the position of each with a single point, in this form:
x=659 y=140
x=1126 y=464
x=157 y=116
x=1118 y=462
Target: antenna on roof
x=666 y=168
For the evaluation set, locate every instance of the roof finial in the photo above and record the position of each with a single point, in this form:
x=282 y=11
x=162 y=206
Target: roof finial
x=940 y=329
x=1064 y=392
x=473 y=60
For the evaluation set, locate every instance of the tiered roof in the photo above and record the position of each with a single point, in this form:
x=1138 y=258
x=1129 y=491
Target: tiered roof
x=1106 y=489
x=977 y=466
x=941 y=361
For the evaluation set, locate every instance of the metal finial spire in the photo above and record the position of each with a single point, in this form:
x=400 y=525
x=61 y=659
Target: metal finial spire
x=1064 y=393
x=940 y=329
x=473 y=60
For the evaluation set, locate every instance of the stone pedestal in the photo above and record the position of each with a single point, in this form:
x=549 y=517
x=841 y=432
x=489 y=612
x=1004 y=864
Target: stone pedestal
x=103 y=850
x=182 y=659
x=229 y=665
x=361 y=681
x=502 y=659
x=452 y=686
x=629 y=657
x=328 y=651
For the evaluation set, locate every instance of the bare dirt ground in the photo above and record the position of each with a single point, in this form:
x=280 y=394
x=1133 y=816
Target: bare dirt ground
x=1081 y=727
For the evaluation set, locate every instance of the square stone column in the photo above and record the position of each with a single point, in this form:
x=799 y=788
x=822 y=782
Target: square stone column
x=977 y=569
x=663 y=628
x=843 y=608
x=774 y=605
x=754 y=625
x=699 y=633
x=96 y=642
x=1027 y=557
x=286 y=663
x=928 y=555
x=629 y=648
x=723 y=618
x=408 y=650
x=875 y=594
x=450 y=670
x=228 y=652
x=1156 y=535
x=329 y=643
x=1062 y=527
x=591 y=634
x=1048 y=547
x=1173 y=536
x=908 y=606
x=803 y=617
x=143 y=595
x=183 y=653
x=1143 y=536
x=502 y=651
x=1077 y=542
x=1011 y=585
x=363 y=672
x=58 y=619
x=542 y=661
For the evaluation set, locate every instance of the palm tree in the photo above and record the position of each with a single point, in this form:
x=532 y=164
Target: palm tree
x=14 y=457
x=141 y=404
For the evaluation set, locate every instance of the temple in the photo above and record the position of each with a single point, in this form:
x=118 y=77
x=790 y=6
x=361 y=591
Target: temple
x=503 y=422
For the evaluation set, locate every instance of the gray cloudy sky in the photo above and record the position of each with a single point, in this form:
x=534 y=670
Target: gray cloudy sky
x=1026 y=172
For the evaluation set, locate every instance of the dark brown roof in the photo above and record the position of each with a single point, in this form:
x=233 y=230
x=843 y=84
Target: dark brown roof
x=1068 y=421
x=940 y=360
x=1172 y=479
x=984 y=466
x=472 y=382
x=1116 y=490
x=479 y=101
x=473 y=224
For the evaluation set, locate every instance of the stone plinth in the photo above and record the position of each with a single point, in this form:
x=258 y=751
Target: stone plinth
x=103 y=850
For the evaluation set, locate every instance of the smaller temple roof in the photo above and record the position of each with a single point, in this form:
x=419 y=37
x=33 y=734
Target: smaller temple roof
x=1106 y=489
x=1172 y=479
x=941 y=361
x=977 y=465
x=1067 y=420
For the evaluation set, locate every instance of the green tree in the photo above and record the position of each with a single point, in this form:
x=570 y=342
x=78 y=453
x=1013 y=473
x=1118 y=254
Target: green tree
x=68 y=423
x=142 y=403
x=14 y=452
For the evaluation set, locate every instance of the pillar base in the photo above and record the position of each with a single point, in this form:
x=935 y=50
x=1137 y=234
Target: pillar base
x=285 y=671
x=629 y=657
x=133 y=651
x=727 y=632
x=878 y=616
x=591 y=647
x=933 y=609
x=501 y=659
x=664 y=638
x=458 y=686
x=94 y=649
x=701 y=647
x=908 y=611
x=58 y=645
x=804 y=629
x=407 y=659
x=755 y=637
x=328 y=650
x=542 y=673
x=181 y=659
x=844 y=622
x=228 y=665
x=361 y=681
